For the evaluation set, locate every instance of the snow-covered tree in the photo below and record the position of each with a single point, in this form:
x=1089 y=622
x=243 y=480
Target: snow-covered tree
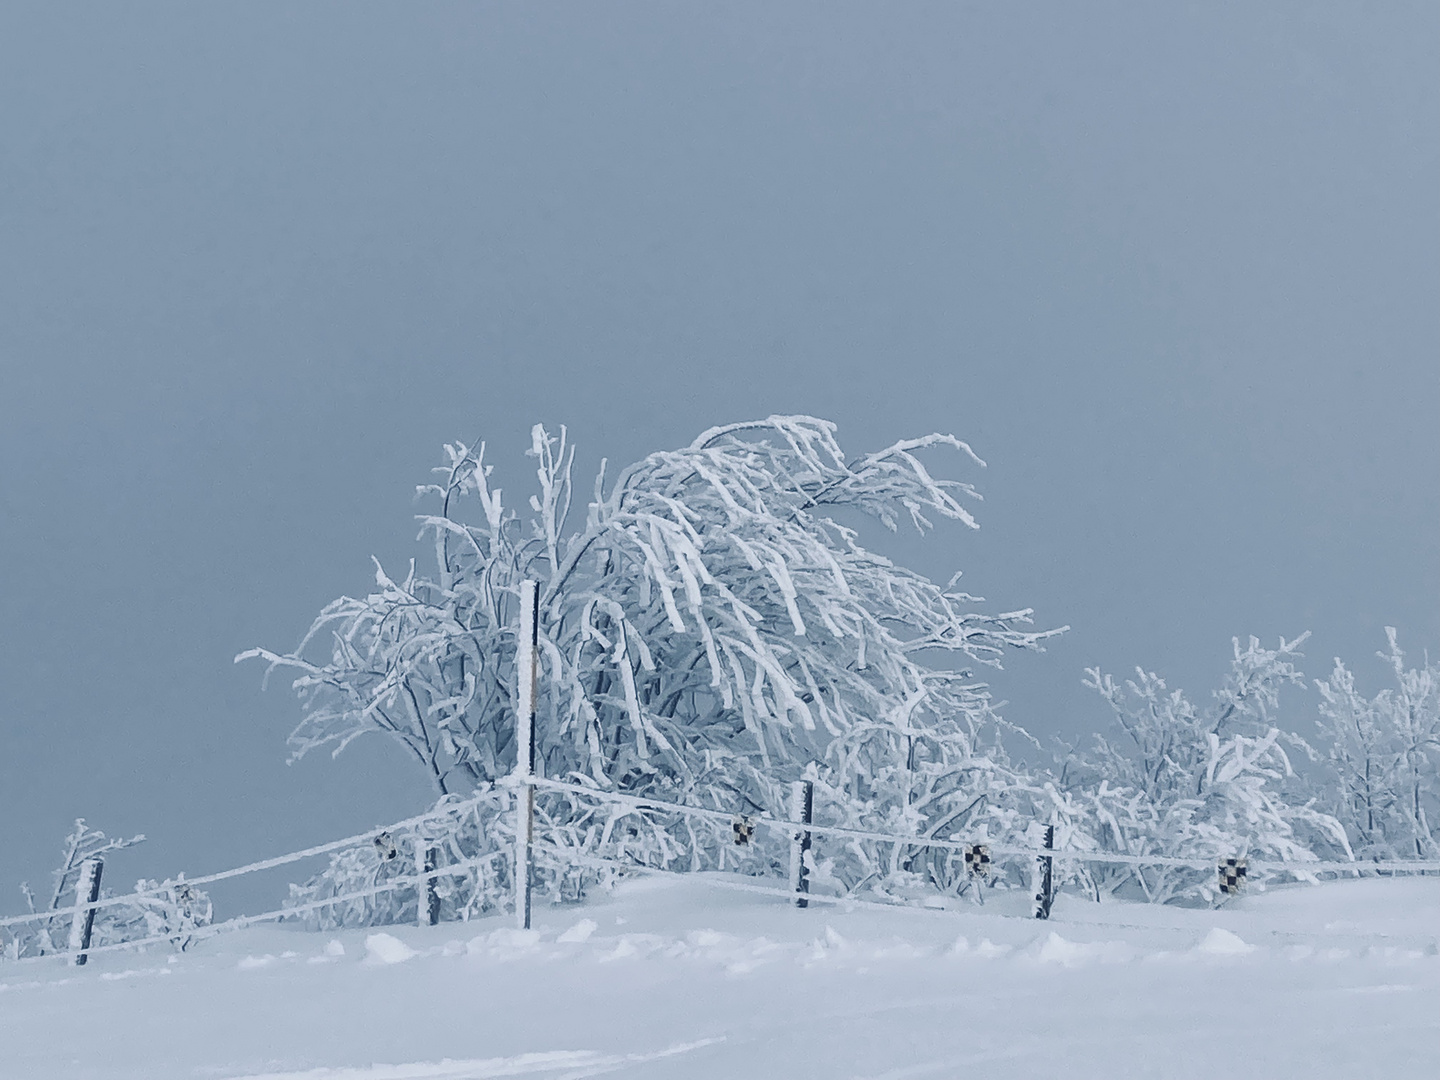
x=1382 y=755
x=711 y=630
x=1182 y=782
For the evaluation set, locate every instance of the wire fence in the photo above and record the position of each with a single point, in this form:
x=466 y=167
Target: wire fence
x=571 y=856
x=357 y=840
x=1011 y=851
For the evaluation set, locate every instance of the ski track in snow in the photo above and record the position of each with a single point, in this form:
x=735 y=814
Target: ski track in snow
x=545 y=1065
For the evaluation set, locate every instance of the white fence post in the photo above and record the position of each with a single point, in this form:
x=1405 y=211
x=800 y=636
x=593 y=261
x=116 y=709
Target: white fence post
x=87 y=891
x=527 y=674
x=803 y=793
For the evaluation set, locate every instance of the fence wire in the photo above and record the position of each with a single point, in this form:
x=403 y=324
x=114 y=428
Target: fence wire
x=569 y=855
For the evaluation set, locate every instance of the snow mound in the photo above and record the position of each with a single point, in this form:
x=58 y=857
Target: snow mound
x=385 y=949
x=506 y=943
x=1057 y=950
x=581 y=931
x=988 y=950
x=1223 y=943
x=333 y=951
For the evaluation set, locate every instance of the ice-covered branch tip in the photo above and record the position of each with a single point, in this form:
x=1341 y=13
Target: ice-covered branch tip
x=84 y=843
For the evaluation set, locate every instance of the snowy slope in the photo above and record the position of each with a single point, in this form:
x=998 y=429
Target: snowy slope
x=676 y=978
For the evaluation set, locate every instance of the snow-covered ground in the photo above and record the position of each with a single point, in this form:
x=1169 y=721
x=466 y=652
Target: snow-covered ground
x=678 y=978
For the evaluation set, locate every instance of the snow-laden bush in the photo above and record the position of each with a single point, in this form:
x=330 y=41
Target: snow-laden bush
x=1182 y=782
x=52 y=935
x=582 y=843
x=1381 y=756
x=713 y=630
x=467 y=833
x=170 y=909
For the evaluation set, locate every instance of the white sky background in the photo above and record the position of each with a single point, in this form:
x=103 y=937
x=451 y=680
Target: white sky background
x=1173 y=273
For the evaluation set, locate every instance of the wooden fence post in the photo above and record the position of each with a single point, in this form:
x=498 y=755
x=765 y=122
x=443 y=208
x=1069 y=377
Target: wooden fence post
x=427 y=900
x=803 y=793
x=527 y=674
x=1046 y=896
x=87 y=891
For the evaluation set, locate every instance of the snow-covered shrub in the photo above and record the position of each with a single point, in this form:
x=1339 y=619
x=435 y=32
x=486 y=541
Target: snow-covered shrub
x=1381 y=756
x=52 y=934
x=171 y=909
x=580 y=842
x=465 y=833
x=1188 y=783
x=711 y=631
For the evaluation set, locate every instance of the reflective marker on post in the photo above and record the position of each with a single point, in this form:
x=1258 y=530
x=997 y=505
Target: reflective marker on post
x=977 y=860
x=1232 y=876
x=977 y=867
x=742 y=828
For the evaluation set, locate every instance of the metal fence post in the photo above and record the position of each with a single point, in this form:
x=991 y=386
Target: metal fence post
x=1046 y=896
x=527 y=674
x=87 y=891
x=803 y=793
x=427 y=900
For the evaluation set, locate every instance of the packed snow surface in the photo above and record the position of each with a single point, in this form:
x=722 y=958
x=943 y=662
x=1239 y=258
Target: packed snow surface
x=675 y=977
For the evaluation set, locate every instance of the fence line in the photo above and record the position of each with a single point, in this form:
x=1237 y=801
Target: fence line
x=264 y=864
x=336 y=845
x=1078 y=855
x=575 y=857
x=952 y=907
x=240 y=922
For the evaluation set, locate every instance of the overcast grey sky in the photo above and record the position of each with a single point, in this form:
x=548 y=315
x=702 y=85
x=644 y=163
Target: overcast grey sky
x=1172 y=269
